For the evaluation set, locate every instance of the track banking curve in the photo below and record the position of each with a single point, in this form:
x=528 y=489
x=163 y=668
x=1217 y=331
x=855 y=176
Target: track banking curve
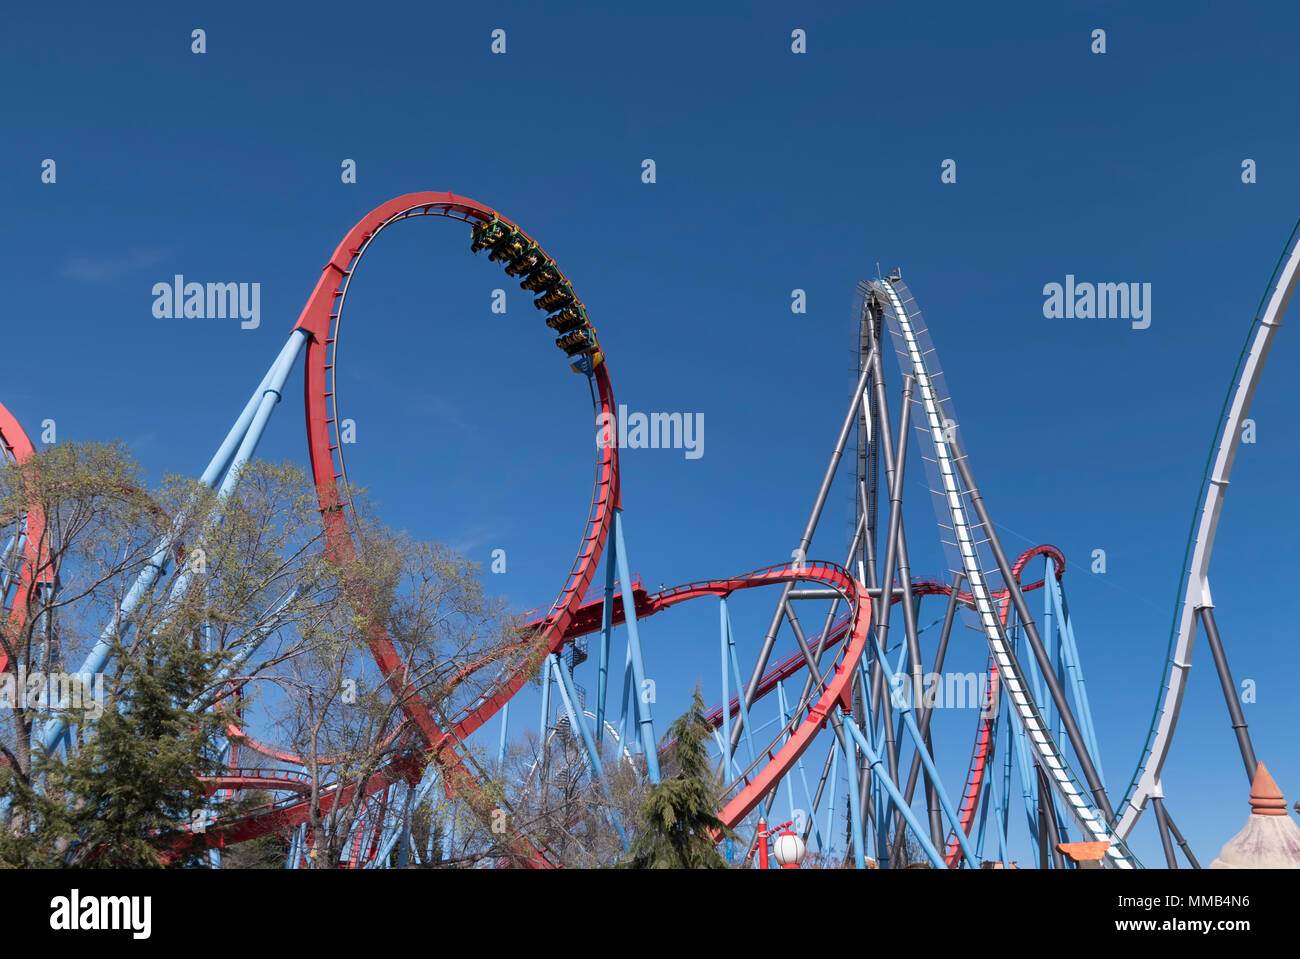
x=1194 y=582
x=749 y=790
x=648 y=604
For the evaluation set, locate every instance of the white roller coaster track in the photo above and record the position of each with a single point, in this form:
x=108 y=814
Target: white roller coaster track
x=1196 y=585
x=1053 y=760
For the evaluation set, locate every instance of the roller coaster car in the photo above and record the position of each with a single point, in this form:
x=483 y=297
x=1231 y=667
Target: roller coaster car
x=487 y=234
x=557 y=296
x=588 y=363
x=510 y=248
x=529 y=261
x=570 y=318
x=542 y=278
x=576 y=343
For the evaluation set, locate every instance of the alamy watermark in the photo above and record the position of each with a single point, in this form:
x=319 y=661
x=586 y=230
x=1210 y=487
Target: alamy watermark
x=40 y=690
x=208 y=301
x=943 y=691
x=1102 y=301
x=76 y=912
x=653 y=431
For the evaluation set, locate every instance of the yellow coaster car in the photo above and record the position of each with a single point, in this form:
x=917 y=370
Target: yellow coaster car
x=570 y=318
x=487 y=234
x=559 y=295
x=542 y=278
x=577 y=342
x=528 y=261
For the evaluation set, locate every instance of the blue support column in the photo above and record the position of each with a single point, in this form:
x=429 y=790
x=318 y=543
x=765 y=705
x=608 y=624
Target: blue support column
x=505 y=722
x=1049 y=637
x=546 y=704
x=981 y=835
x=628 y=707
x=876 y=736
x=830 y=808
x=606 y=638
x=732 y=769
x=1000 y=815
x=855 y=804
x=1028 y=777
x=743 y=710
x=578 y=721
x=726 y=690
x=799 y=766
x=242 y=439
x=903 y=705
x=785 y=719
x=643 y=711
x=1007 y=720
x=1074 y=669
x=7 y=575
x=296 y=844
x=922 y=833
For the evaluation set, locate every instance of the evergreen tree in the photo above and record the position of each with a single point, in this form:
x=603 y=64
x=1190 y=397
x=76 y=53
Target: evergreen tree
x=680 y=827
x=131 y=783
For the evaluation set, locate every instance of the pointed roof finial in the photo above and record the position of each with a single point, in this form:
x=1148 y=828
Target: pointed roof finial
x=1270 y=839
x=1265 y=798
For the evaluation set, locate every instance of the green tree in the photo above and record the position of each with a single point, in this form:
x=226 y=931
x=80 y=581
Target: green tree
x=133 y=778
x=679 y=824
x=143 y=732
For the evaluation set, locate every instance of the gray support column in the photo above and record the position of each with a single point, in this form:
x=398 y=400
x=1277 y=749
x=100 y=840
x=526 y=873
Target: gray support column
x=1229 y=691
x=917 y=671
x=804 y=542
x=1182 y=843
x=835 y=597
x=932 y=802
x=817 y=795
x=927 y=709
x=894 y=471
x=1162 y=823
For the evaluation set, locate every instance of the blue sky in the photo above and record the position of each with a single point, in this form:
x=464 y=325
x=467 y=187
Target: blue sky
x=775 y=171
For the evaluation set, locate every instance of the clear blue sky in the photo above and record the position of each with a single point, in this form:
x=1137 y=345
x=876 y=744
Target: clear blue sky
x=775 y=171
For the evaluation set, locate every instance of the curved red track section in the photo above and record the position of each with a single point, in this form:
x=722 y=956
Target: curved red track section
x=292 y=811
x=567 y=617
x=35 y=554
x=318 y=320
x=835 y=690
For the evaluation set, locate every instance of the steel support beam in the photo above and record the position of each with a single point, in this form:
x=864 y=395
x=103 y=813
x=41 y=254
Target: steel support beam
x=1229 y=691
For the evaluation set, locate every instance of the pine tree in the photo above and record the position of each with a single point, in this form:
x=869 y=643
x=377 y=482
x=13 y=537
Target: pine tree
x=131 y=784
x=680 y=827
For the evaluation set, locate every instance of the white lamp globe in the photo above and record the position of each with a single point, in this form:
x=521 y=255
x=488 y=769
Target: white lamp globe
x=788 y=850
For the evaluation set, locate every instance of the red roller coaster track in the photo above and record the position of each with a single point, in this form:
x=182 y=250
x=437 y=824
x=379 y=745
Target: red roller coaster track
x=35 y=557
x=319 y=320
x=568 y=617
